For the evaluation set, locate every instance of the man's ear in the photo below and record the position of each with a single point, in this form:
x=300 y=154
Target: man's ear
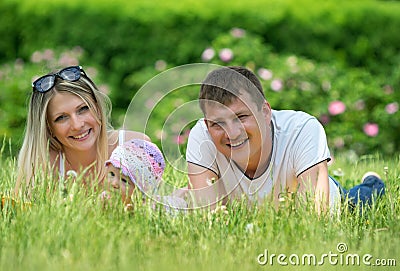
x=266 y=109
x=207 y=122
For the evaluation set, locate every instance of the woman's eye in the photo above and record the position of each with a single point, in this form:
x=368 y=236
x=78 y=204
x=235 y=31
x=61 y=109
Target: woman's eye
x=83 y=109
x=111 y=174
x=60 y=118
x=124 y=180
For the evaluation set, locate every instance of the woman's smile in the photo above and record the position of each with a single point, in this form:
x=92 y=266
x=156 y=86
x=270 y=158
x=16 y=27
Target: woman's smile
x=82 y=136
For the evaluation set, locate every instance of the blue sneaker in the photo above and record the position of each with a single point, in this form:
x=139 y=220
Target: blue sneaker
x=372 y=187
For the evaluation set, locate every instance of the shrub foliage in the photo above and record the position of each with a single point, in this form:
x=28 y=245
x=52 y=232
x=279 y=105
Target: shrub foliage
x=337 y=60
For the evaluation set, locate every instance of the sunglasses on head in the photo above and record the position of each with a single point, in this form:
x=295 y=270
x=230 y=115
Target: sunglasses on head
x=45 y=83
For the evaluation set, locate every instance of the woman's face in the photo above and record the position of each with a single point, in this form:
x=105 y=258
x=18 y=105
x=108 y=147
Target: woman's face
x=72 y=122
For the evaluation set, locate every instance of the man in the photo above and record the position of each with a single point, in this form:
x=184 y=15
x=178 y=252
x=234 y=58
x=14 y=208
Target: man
x=252 y=150
x=244 y=148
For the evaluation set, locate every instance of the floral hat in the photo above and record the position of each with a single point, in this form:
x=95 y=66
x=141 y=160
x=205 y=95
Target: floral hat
x=140 y=160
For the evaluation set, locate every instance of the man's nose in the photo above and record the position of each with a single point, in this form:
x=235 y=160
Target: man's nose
x=234 y=129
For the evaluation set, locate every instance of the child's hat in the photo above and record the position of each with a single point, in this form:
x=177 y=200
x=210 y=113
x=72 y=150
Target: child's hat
x=140 y=160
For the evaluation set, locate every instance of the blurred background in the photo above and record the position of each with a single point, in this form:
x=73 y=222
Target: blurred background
x=338 y=60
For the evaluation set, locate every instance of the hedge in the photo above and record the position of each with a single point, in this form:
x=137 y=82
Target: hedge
x=123 y=36
x=125 y=39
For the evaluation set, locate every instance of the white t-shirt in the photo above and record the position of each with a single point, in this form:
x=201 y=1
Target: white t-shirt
x=299 y=142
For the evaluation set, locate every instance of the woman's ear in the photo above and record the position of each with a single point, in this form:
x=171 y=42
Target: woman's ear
x=49 y=128
x=50 y=132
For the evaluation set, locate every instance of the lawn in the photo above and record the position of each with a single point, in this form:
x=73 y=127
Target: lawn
x=79 y=233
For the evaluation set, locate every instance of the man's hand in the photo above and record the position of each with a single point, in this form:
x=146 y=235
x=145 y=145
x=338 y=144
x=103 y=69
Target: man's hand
x=205 y=186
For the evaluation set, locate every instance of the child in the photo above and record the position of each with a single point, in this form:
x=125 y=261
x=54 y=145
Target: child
x=139 y=163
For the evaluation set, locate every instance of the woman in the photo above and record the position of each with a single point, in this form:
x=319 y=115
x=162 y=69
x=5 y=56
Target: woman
x=67 y=129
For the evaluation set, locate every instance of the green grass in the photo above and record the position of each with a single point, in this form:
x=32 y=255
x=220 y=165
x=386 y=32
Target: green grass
x=58 y=234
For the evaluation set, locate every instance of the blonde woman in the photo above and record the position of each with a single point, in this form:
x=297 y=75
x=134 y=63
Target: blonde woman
x=67 y=129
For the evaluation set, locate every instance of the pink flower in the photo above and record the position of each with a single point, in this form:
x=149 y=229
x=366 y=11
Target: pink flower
x=68 y=60
x=305 y=86
x=208 y=54
x=36 y=57
x=336 y=108
x=338 y=142
x=160 y=65
x=277 y=85
x=48 y=55
x=180 y=139
x=371 y=129
x=388 y=89
x=238 y=32
x=226 y=54
x=359 y=105
x=150 y=103
x=292 y=61
x=392 y=108
x=264 y=73
x=78 y=51
x=324 y=119
x=104 y=89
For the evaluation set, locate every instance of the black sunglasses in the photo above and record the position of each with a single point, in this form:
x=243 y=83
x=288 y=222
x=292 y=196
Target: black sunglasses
x=45 y=83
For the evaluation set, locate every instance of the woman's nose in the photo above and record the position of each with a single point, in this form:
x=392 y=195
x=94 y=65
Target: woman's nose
x=76 y=122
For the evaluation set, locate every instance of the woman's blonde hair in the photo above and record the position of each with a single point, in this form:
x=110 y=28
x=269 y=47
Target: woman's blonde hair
x=33 y=159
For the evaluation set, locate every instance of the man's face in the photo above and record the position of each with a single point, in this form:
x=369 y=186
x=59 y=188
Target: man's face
x=239 y=130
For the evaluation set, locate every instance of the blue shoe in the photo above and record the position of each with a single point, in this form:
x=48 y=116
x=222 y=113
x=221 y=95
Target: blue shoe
x=372 y=187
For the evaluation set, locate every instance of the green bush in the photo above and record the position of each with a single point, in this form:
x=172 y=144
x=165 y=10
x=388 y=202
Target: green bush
x=359 y=110
x=335 y=51
x=124 y=36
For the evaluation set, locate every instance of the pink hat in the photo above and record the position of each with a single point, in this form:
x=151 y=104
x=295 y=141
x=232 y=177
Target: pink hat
x=140 y=160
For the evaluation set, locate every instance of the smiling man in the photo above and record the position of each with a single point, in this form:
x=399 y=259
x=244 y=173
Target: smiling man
x=243 y=148
x=252 y=150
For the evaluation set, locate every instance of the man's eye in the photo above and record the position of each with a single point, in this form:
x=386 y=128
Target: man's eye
x=217 y=124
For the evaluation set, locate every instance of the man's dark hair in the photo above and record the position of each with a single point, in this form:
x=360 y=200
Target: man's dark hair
x=224 y=85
